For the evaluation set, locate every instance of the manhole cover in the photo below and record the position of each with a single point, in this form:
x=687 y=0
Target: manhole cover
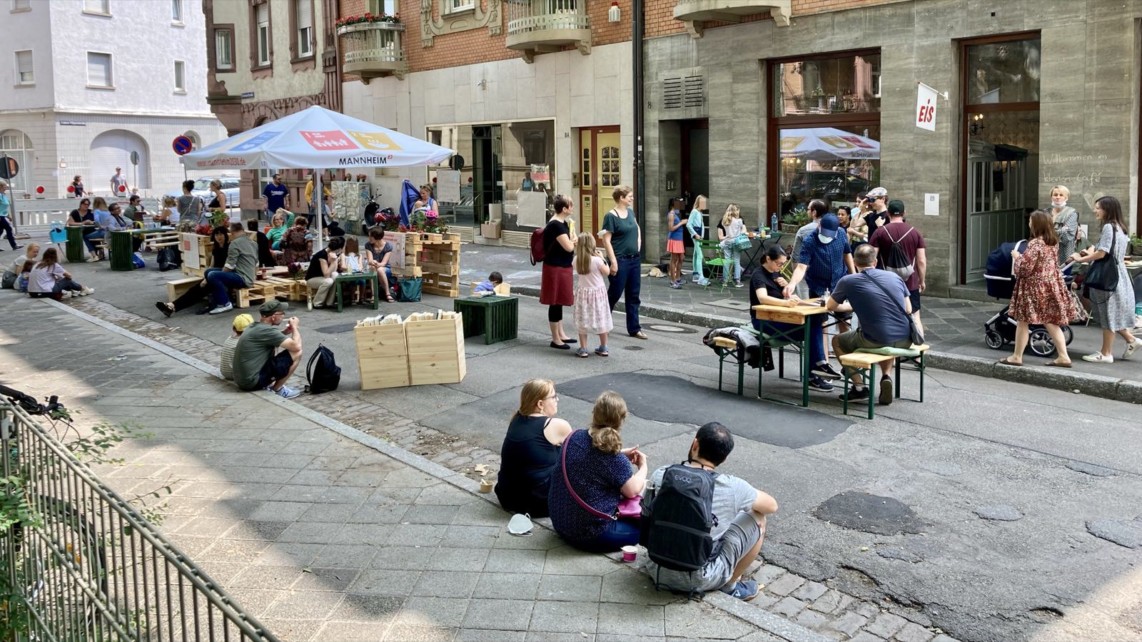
x=633 y=348
x=671 y=328
x=337 y=328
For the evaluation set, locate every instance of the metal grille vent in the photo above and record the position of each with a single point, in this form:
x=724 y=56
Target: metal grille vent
x=683 y=91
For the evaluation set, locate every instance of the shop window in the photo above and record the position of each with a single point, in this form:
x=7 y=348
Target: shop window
x=825 y=131
x=1003 y=72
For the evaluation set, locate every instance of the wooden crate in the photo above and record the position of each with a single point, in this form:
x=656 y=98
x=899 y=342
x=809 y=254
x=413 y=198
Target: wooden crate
x=436 y=351
x=204 y=247
x=382 y=355
x=441 y=284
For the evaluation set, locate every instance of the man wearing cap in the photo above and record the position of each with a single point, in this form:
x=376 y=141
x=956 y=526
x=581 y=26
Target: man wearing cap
x=816 y=209
x=257 y=363
x=226 y=366
x=825 y=257
x=914 y=248
x=877 y=200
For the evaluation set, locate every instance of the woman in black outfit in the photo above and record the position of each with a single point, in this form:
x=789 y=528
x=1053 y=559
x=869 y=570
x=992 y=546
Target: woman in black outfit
x=530 y=453
x=558 y=288
x=220 y=237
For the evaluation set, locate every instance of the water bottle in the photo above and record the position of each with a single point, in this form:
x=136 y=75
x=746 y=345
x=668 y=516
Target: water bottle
x=773 y=222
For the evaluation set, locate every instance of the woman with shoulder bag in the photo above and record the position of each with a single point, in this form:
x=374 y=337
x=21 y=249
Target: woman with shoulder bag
x=556 y=289
x=1115 y=305
x=731 y=233
x=530 y=452
x=594 y=479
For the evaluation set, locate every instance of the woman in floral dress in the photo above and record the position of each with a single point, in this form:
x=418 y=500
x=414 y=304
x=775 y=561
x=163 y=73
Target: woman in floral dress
x=1040 y=295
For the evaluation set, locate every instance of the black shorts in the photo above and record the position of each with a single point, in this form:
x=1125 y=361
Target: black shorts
x=914 y=297
x=277 y=367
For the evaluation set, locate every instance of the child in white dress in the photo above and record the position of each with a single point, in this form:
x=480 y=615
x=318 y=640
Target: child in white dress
x=592 y=310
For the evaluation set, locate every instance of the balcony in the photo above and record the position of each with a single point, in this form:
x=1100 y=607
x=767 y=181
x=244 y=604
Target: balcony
x=372 y=49
x=695 y=13
x=540 y=26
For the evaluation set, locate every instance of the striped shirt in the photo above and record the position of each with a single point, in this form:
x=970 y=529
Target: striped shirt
x=227 y=364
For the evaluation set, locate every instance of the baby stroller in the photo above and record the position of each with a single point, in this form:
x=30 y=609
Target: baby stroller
x=999 y=330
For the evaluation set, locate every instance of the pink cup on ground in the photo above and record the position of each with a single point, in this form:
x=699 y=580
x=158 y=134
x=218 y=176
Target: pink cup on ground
x=630 y=553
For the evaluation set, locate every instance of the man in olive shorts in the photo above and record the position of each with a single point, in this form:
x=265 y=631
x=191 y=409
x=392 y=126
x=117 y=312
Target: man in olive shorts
x=258 y=364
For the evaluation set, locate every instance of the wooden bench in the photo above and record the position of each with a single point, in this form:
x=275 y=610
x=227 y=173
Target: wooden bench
x=865 y=361
x=726 y=349
x=179 y=287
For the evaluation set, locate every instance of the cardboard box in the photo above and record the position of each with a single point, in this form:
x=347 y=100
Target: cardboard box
x=490 y=230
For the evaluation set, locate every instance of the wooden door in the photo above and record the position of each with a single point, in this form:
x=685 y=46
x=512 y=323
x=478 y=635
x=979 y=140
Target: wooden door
x=601 y=166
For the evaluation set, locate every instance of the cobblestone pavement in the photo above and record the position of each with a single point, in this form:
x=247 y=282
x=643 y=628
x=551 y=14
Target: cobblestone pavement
x=817 y=607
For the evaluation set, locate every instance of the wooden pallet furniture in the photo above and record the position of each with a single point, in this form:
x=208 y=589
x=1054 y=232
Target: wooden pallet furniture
x=435 y=349
x=435 y=258
x=382 y=355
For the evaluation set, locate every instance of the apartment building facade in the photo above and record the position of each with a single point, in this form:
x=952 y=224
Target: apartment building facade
x=267 y=59
x=91 y=85
x=767 y=104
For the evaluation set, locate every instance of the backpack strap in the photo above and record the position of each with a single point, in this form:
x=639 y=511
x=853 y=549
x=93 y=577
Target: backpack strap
x=895 y=241
x=571 y=491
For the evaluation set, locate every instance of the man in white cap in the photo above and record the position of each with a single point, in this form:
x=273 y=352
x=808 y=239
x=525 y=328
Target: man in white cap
x=877 y=199
x=258 y=365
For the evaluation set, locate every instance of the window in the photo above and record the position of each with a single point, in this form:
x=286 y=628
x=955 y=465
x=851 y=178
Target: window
x=180 y=77
x=24 y=73
x=303 y=22
x=386 y=7
x=16 y=144
x=176 y=11
x=224 y=49
x=825 y=131
x=1003 y=72
x=21 y=5
x=102 y=7
x=262 y=35
x=99 y=70
x=456 y=6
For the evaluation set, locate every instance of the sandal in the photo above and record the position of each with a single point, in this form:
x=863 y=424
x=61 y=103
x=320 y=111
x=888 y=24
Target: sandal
x=1057 y=364
x=1005 y=362
x=602 y=351
x=582 y=353
x=390 y=299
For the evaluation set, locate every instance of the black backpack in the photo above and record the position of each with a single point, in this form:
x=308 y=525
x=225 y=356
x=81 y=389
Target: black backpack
x=323 y=373
x=896 y=261
x=681 y=516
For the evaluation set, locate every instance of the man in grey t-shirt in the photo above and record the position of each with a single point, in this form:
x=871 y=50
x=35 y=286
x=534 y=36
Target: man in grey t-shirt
x=740 y=511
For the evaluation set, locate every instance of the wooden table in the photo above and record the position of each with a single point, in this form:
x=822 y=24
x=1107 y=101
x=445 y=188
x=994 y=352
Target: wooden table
x=797 y=315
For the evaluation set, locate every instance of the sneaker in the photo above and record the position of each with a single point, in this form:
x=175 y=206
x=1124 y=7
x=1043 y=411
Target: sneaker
x=739 y=284
x=286 y=392
x=820 y=385
x=87 y=291
x=1131 y=348
x=18 y=247
x=744 y=590
x=222 y=308
x=856 y=395
x=825 y=371
x=676 y=286
x=885 y=391
x=1098 y=357
x=704 y=282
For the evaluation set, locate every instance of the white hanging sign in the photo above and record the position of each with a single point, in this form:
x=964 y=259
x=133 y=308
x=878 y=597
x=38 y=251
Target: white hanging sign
x=926 y=107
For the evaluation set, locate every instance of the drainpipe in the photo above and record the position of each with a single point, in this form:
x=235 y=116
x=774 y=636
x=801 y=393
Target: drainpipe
x=637 y=32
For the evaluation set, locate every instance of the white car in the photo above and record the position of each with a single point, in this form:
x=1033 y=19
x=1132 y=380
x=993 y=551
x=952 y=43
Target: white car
x=202 y=189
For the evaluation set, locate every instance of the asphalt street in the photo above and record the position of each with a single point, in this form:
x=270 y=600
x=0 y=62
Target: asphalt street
x=975 y=511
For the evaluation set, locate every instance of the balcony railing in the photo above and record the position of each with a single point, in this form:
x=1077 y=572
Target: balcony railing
x=695 y=13
x=373 y=49
x=538 y=26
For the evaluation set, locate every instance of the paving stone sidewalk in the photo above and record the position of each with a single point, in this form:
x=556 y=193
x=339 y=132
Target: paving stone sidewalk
x=815 y=607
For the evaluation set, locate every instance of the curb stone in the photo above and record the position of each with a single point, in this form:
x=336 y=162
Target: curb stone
x=313 y=408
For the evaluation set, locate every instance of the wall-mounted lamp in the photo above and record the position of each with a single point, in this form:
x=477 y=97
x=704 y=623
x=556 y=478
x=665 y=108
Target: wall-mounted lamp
x=614 y=14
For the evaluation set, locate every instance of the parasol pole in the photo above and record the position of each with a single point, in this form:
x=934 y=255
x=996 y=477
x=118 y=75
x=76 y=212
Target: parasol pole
x=319 y=204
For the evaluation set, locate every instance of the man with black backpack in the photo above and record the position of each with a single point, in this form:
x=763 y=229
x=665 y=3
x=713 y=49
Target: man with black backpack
x=702 y=529
x=903 y=251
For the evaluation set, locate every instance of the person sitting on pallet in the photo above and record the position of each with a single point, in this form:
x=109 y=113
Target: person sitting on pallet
x=766 y=287
x=880 y=300
x=238 y=272
x=257 y=363
x=703 y=529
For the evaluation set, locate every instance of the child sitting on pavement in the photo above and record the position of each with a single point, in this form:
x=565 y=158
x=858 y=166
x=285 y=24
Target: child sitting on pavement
x=226 y=365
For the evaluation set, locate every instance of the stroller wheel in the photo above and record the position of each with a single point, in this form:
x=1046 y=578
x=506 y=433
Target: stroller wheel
x=1068 y=336
x=1040 y=343
x=993 y=340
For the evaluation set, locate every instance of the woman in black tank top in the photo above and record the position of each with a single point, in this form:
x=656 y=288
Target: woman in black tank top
x=530 y=450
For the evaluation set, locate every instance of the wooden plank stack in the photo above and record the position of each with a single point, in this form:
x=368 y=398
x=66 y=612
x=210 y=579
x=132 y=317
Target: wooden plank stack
x=434 y=258
x=426 y=348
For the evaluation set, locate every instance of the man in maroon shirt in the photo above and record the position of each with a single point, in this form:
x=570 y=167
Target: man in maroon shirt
x=914 y=249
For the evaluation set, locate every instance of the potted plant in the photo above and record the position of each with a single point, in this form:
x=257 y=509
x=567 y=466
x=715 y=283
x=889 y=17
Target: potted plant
x=366 y=19
x=794 y=219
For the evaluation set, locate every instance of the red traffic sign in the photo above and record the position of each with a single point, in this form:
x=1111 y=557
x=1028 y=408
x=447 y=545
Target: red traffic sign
x=182 y=145
x=40 y=189
x=71 y=189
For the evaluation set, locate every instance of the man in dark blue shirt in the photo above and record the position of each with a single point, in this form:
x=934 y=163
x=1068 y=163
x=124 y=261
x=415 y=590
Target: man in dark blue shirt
x=825 y=257
x=880 y=300
x=276 y=195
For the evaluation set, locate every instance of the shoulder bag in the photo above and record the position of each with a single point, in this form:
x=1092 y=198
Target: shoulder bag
x=914 y=334
x=630 y=508
x=1103 y=273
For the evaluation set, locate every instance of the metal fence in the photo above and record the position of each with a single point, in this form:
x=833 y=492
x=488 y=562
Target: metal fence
x=79 y=563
